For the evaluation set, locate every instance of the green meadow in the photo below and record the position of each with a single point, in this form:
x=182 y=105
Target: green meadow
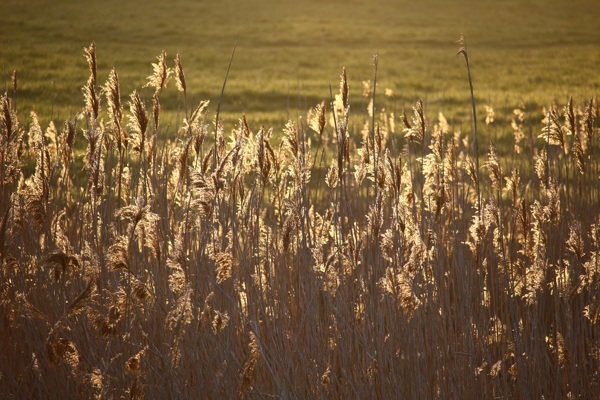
x=289 y=52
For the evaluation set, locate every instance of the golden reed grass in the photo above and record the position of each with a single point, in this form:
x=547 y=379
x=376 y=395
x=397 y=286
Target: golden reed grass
x=379 y=264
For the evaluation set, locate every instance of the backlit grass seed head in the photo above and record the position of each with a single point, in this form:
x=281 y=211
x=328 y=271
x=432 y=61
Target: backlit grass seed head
x=180 y=316
x=289 y=226
x=592 y=313
x=344 y=88
x=587 y=122
x=92 y=103
x=477 y=232
x=494 y=169
x=291 y=140
x=36 y=187
x=317 y=118
x=463 y=47
x=61 y=350
x=117 y=257
x=96 y=381
x=517 y=126
x=552 y=132
x=332 y=176
x=442 y=125
x=432 y=174
x=578 y=153
x=570 y=125
x=180 y=75
x=90 y=55
x=11 y=142
x=51 y=140
x=138 y=122
x=115 y=109
x=408 y=300
x=224 y=262
x=540 y=166
x=14 y=82
x=489 y=114
x=471 y=169
x=94 y=162
x=513 y=186
x=575 y=242
x=8 y=120
x=247 y=374
x=69 y=140
x=158 y=80
x=414 y=130
x=219 y=322
x=262 y=156
x=360 y=172
x=367 y=89
x=134 y=363
x=194 y=124
x=450 y=158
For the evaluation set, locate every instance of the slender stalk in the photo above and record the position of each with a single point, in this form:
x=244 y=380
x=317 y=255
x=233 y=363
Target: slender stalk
x=221 y=101
x=463 y=51
x=375 y=151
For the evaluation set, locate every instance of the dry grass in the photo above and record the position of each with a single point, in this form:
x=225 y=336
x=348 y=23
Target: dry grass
x=337 y=264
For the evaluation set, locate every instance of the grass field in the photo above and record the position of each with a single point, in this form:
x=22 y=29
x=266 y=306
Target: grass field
x=347 y=255
x=289 y=52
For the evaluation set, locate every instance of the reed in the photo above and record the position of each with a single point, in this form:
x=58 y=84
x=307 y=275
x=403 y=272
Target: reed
x=192 y=266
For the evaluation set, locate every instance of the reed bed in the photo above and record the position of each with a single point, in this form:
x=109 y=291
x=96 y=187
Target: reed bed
x=333 y=259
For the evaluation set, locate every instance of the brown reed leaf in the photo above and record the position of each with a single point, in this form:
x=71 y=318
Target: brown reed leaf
x=219 y=322
x=61 y=261
x=79 y=303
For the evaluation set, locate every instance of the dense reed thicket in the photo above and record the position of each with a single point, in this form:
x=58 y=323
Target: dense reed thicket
x=338 y=263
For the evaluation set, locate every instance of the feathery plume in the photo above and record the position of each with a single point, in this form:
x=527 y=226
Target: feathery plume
x=138 y=122
x=158 y=80
x=180 y=75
